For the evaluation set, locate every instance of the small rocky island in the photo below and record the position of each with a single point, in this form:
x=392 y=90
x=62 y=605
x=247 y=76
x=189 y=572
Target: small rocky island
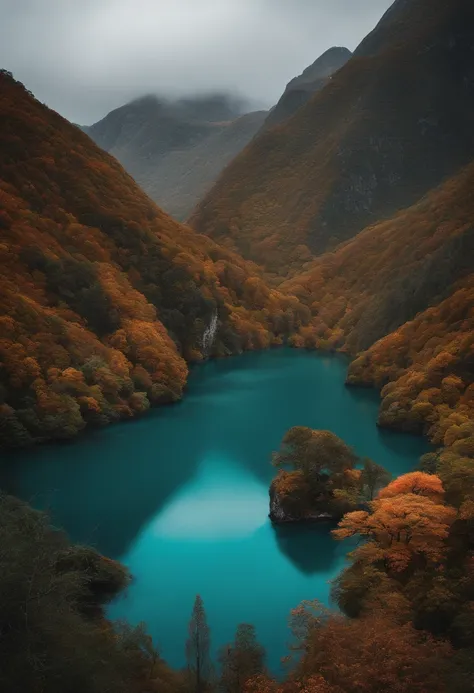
x=320 y=478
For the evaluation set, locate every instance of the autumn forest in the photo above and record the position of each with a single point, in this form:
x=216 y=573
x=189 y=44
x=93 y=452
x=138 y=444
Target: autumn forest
x=344 y=227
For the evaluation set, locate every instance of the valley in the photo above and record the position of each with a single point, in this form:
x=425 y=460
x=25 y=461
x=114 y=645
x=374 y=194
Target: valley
x=193 y=291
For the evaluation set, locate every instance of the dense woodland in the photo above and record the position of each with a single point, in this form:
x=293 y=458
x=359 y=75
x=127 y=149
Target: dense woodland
x=105 y=299
x=398 y=294
x=408 y=283
x=405 y=625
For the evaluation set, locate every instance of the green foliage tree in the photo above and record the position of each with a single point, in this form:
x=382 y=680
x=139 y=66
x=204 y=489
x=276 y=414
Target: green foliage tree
x=323 y=477
x=303 y=619
x=314 y=452
x=54 y=635
x=12 y=432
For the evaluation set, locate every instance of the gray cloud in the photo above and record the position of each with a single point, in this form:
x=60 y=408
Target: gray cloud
x=85 y=57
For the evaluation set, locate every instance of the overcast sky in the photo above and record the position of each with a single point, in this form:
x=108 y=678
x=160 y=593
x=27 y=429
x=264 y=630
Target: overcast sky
x=86 y=57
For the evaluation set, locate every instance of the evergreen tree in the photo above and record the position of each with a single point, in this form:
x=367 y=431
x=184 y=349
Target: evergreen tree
x=373 y=478
x=198 y=648
x=241 y=660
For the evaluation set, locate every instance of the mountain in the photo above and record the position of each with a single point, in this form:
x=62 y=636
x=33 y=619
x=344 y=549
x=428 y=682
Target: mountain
x=391 y=124
x=184 y=176
x=313 y=79
x=403 y=290
x=104 y=297
x=175 y=150
x=393 y=270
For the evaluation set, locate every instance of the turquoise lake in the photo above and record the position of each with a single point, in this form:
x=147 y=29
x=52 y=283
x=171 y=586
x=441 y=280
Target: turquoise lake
x=181 y=496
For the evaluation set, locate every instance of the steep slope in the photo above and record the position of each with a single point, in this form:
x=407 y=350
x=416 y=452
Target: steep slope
x=104 y=297
x=176 y=150
x=392 y=270
x=301 y=88
x=392 y=123
x=409 y=283
x=184 y=175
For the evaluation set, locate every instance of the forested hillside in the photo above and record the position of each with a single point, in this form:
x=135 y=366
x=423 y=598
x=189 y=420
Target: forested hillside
x=360 y=210
x=406 y=595
x=176 y=150
x=104 y=297
x=369 y=158
x=393 y=123
x=55 y=636
x=372 y=284
x=405 y=288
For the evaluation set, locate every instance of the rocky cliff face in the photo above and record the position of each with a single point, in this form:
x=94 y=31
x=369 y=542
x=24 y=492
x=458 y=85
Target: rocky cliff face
x=278 y=515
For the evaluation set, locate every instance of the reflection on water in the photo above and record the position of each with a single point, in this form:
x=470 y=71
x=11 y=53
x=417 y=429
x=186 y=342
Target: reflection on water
x=294 y=541
x=181 y=496
x=222 y=501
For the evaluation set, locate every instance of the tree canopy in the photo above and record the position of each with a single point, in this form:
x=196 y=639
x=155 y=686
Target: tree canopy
x=322 y=475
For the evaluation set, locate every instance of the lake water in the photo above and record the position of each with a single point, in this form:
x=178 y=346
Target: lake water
x=181 y=496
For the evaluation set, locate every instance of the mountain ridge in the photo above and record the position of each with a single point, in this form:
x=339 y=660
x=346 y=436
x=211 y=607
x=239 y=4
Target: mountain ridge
x=301 y=88
x=387 y=128
x=176 y=149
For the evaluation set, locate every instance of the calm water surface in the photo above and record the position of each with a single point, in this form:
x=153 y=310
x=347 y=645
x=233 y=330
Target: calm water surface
x=181 y=496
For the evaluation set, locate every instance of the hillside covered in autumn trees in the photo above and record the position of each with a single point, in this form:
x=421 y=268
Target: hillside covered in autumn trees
x=405 y=622
x=360 y=209
x=400 y=297
x=382 y=160
x=105 y=299
x=393 y=123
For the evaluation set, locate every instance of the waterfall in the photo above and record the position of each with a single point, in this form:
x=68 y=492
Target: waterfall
x=209 y=334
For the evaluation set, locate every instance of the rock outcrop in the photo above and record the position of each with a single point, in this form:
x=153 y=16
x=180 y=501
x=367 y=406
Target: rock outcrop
x=279 y=515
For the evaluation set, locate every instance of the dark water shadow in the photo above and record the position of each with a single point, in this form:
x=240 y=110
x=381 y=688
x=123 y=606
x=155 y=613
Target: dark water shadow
x=309 y=547
x=399 y=442
x=106 y=487
x=361 y=395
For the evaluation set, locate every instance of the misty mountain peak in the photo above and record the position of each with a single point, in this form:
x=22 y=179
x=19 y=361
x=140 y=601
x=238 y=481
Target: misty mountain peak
x=322 y=68
x=176 y=148
x=300 y=89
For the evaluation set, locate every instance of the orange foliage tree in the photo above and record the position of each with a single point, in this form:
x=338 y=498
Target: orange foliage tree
x=401 y=529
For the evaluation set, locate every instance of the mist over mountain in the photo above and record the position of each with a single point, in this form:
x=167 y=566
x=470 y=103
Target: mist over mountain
x=391 y=124
x=176 y=149
x=341 y=221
